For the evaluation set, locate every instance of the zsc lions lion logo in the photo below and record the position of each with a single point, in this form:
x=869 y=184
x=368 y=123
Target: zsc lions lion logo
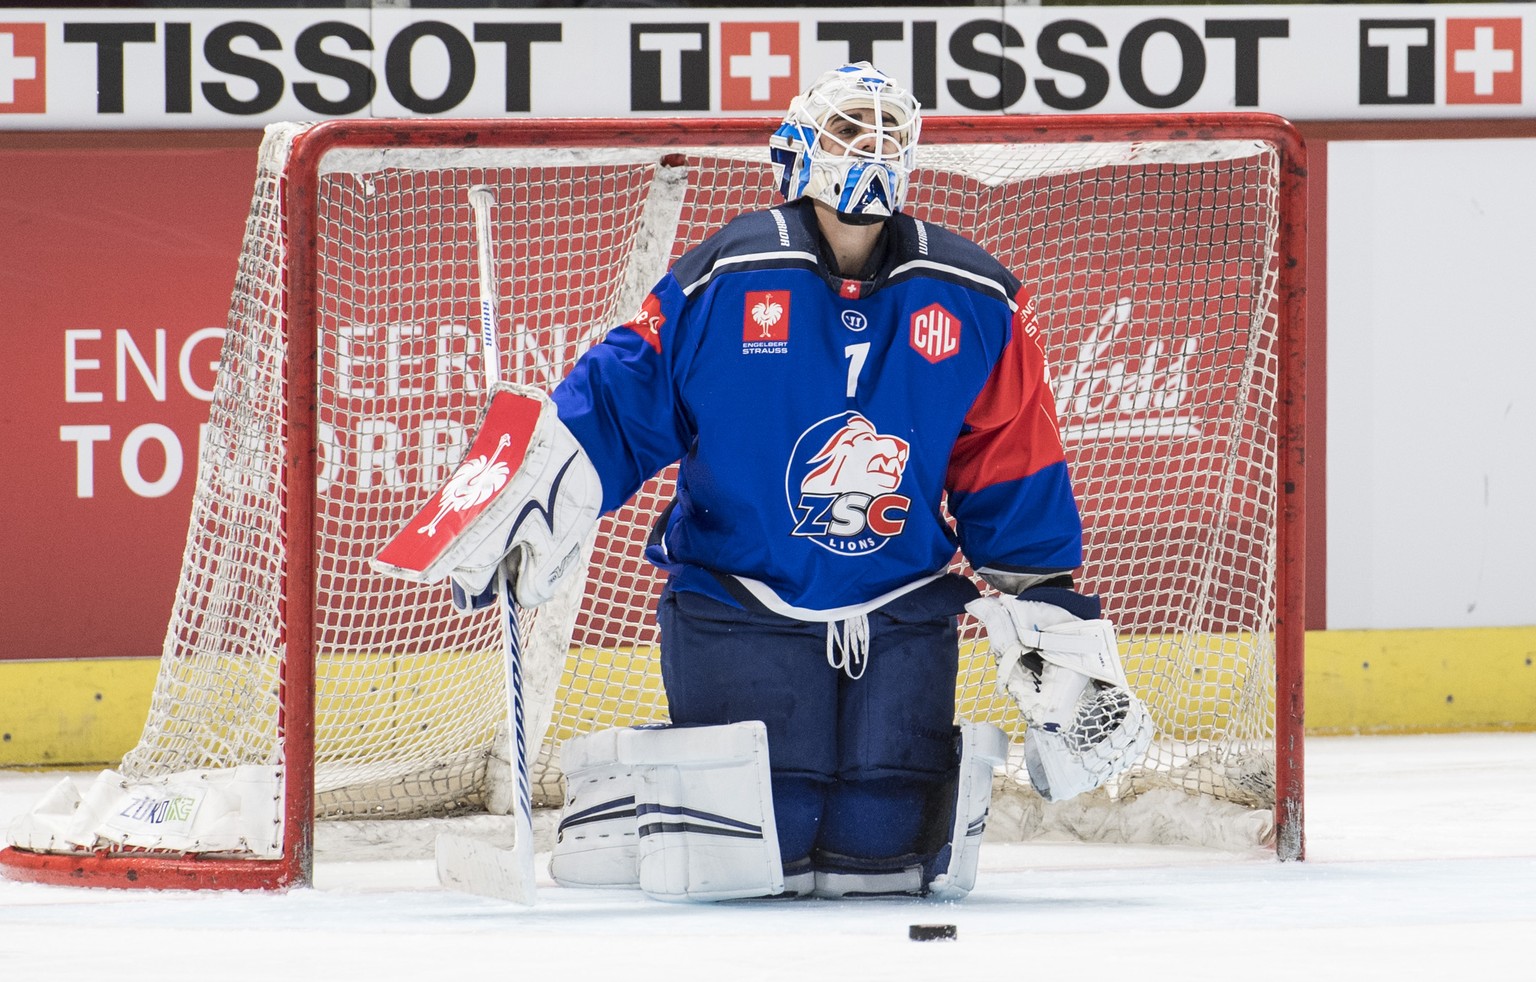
x=842 y=485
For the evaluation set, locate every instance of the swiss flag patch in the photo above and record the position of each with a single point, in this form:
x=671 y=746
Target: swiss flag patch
x=765 y=316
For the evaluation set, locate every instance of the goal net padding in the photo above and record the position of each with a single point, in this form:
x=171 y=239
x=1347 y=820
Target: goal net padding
x=297 y=684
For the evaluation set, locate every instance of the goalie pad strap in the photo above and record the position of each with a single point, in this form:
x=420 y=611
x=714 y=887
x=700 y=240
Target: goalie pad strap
x=839 y=884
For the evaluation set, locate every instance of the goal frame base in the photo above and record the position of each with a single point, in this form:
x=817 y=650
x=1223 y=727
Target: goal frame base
x=152 y=871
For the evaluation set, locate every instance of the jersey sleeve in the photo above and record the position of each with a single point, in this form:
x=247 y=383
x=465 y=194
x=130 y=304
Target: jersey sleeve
x=1009 y=488
x=620 y=399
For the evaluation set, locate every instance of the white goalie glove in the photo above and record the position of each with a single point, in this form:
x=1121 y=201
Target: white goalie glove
x=1085 y=726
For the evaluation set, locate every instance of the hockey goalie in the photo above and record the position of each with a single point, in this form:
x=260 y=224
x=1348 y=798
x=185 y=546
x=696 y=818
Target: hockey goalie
x=830 y=374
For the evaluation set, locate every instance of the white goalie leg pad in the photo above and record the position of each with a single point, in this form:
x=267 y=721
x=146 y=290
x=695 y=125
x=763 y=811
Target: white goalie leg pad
x=983 y=749
x=704 y=805
x=1085 y=726
x=526 y=494
x=597 y=843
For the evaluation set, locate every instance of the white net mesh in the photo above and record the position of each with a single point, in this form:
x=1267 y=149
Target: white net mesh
x=1155 y=270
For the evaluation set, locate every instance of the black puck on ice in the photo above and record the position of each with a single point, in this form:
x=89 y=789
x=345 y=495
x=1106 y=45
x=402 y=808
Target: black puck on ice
x=932 y=932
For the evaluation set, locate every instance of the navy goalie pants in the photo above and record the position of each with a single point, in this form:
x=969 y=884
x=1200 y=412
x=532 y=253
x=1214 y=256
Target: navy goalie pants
x=854 y=760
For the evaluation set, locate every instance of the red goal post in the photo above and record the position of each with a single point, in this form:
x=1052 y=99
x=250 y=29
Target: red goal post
x=1167 y=255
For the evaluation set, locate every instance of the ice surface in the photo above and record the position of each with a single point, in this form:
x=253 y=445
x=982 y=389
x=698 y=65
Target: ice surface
x=1421 y=864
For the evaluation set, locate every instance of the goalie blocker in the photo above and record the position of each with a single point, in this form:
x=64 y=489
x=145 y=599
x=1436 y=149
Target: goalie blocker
x=526 y=493
x=1058 y=660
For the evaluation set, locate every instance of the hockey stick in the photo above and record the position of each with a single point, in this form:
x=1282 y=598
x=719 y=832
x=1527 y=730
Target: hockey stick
x=464 y=863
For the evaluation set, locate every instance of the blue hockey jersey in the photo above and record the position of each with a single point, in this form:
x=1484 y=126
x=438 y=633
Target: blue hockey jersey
x=820 y=421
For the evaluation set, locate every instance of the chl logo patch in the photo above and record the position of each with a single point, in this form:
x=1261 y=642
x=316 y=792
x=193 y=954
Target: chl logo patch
x=843 y=485
x=934 y=333
x=23 y=68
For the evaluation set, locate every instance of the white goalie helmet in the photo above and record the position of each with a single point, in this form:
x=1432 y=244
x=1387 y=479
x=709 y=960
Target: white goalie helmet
x=856 y=162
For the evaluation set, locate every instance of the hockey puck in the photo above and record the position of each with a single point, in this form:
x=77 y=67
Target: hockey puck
x=932 y=932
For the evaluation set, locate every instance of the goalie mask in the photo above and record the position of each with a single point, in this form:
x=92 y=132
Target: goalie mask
x=849 y=142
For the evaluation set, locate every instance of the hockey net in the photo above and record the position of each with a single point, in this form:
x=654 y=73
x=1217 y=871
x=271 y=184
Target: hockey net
x=297 y=684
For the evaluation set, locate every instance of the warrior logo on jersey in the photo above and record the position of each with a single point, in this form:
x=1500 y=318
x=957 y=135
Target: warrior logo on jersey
x=842 y=485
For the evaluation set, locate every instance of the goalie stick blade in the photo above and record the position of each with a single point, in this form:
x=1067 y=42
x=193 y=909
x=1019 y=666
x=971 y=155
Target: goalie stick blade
x=475 y=866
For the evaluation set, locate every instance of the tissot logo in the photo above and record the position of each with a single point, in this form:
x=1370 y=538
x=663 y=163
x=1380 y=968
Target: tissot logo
x=1482 y=60
x=759 y=65
x=23 y=85
x=669 y=66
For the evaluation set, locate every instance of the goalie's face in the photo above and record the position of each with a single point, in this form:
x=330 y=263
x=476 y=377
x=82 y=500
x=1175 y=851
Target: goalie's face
x=860 y=131
x=849 y=143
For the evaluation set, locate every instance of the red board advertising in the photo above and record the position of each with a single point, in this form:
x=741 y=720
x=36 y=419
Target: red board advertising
x=116 y=262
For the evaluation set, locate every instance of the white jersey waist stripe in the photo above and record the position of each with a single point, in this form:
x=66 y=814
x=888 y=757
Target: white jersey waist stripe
x=764 y=595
